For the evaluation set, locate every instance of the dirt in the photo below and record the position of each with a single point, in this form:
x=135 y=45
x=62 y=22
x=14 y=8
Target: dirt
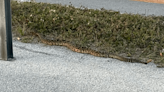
x=152 y=1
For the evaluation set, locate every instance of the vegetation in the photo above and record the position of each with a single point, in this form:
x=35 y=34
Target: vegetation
x=133 y=35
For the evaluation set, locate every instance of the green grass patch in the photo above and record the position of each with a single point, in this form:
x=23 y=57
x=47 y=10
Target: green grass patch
x=133 y=35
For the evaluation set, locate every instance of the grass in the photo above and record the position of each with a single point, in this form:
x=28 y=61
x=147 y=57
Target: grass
x=128 y=35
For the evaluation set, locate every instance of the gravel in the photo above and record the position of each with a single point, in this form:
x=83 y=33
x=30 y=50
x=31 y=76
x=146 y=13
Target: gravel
x=43 y=68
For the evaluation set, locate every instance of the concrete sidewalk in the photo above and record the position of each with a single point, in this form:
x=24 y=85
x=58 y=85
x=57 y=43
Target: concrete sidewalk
x=42 y=68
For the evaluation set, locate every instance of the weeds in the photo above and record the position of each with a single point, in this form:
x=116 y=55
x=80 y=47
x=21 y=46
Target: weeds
x=132 y=34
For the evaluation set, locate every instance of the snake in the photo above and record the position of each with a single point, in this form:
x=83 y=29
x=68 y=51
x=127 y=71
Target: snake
x=86 y=50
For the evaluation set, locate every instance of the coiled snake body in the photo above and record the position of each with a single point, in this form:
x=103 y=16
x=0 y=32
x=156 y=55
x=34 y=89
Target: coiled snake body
x=85 y=50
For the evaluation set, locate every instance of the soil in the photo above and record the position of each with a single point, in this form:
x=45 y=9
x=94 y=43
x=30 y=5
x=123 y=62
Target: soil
x=152 y=1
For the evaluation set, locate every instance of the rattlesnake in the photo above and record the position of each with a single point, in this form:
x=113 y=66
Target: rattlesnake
x=85 y=50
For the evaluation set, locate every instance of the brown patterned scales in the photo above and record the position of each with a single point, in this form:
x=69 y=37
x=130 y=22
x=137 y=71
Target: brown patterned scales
x=86 y=51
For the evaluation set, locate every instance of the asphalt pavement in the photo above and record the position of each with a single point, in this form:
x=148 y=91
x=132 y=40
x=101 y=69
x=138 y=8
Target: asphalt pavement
x=124 y=6
x=43 y=68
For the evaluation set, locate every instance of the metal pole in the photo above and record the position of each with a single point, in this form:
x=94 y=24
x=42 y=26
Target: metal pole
x=6 y=48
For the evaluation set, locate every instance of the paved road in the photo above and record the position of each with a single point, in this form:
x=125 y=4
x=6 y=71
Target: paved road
x=42 y=68
x=123 y=6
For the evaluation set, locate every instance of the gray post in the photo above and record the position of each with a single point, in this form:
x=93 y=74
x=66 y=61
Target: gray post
x=6 y=48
